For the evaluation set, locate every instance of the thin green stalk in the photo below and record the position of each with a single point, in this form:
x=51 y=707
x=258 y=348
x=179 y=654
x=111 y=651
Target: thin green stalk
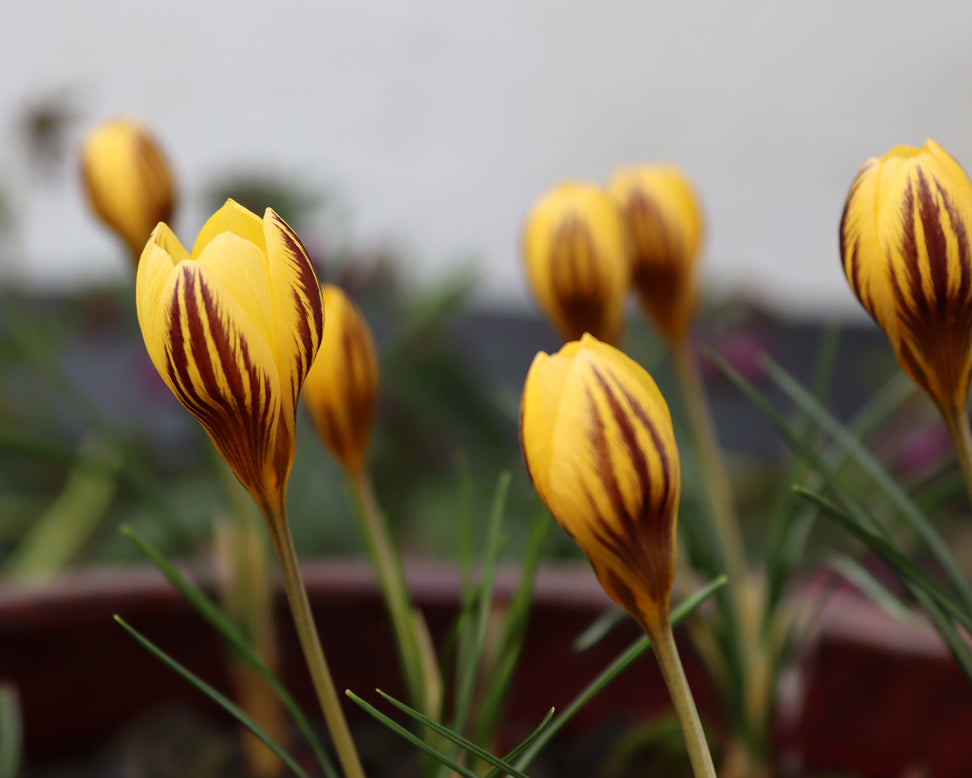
x=958 y=427
x=663 y=643
x=743 y=624
x=310 y=642
x=418 y=665
x=717 y=484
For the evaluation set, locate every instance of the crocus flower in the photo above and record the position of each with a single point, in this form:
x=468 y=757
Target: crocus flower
x=577 y=261
x=233 y=329
x=664 y=224
x=341 y=389
x=127 y=180
x=599 y=446
x=904 y=242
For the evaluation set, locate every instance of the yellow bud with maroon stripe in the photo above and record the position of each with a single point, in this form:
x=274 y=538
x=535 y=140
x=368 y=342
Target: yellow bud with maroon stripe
x=233 y=329
x=577 y=261
x=665 y=228
x=341 y=389
x=598 y=442
x=128 y=181
x=905 y=246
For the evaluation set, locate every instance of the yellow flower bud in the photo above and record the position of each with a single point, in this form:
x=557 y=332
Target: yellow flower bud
x=904 y=243
x=233 y=329
x=598 y=442
x=665 y=228
x=577 y=261
x=341 y=389
x=127 y=180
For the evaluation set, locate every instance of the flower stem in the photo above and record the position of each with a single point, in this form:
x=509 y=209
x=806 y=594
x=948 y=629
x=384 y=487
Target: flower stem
x=716 y=479
x=958 y=427
x=310 y=642
x=744 y=614
x=411 y=637
x=663 y=644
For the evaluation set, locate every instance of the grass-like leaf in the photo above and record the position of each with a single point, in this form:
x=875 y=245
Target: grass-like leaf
x=881 y=477
x=612 y=671
x=11 y=732
x=906 y=570
x=453 y=737
x=224 y=702
x=598 y=629
x=527 y=742
x=474 y=621
x=852 y=571
x=513 y=632
x=228 y=631
x=415 y=740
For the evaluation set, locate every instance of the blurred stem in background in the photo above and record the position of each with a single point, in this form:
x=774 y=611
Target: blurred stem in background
x=416 y=653
x=247 y=592
x=744 y=605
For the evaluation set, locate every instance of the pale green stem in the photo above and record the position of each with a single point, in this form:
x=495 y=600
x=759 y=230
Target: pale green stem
x=728 y=536
x=663 y=644
x=958 y=427
x=310 y=642
x=419 y=667
x=717 y=487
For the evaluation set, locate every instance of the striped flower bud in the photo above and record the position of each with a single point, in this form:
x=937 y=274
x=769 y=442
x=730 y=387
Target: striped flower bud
x=665 y=228
x=233 y=329
x=599 y=446
x=127 y=180
x=341 y=389
x=904 y=243
x=577 y=261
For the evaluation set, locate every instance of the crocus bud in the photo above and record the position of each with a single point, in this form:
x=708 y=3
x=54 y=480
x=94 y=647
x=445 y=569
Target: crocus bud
x=128 y=181
x=341 y=389
x=577 y=261
x=233 y=329
x=665 y=228
x=904 y=243
x=599 y=446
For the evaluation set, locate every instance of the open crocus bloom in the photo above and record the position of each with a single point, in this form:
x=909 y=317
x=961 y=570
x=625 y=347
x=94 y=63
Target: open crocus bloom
x=233 y=329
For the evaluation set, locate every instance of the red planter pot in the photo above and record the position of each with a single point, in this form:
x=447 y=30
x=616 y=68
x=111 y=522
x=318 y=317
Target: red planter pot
x=870 y=697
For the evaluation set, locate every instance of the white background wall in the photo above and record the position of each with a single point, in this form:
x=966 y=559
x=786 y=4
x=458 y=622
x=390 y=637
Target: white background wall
x=439 y=121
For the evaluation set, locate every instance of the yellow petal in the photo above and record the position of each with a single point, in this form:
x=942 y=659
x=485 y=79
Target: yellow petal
x=159 y=258
x=234 y=218
x=240 y=269
x=298 y=308
x=221 y=368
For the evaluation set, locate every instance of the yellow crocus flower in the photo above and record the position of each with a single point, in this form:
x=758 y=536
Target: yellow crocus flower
x=233 y=329
x=128 y=182
x=598 y=442
x=341 y=389
x=577 y=261
x=904 y=243
x=665 y=227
